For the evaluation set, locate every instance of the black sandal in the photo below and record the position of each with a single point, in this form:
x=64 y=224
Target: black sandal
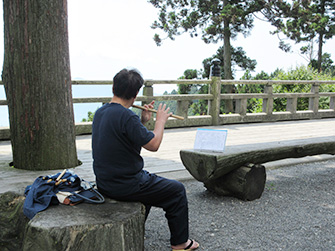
x=188 y=247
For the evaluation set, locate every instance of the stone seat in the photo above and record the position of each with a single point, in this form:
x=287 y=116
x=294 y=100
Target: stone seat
x=112 y=225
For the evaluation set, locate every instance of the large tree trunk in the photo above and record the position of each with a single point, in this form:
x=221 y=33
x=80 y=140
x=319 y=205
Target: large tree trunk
x=320 y=44
x=37 y=80
x=229 y=107
x=321 y=35
x=227 y=51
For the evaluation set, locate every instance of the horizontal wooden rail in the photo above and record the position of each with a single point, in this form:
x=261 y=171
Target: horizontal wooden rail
x=91 y=82
x=214 y=97
x=276 y=95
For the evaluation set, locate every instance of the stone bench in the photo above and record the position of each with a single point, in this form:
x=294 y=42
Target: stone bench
x=112 y=225
x=238 y=171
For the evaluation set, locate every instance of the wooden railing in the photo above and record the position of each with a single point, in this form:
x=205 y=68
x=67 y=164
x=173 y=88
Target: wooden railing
x=214 y=97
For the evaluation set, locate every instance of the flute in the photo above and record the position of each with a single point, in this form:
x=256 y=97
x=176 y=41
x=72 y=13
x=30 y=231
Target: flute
x=155 y=111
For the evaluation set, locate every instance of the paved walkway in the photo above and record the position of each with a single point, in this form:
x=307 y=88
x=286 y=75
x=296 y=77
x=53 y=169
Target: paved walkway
x=166 y=161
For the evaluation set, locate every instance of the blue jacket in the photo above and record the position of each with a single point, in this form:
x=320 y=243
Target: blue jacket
x=42 y=193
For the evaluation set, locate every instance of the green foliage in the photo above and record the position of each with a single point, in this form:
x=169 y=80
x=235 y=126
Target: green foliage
x=238 y=60
x=90 y=116
x=327 y=66
x=196 y=107
x=303 y=21
x=179 y=16
x=188 y=74
x=215 y=20
x=253 y=104
x=299 y=73
x=172 y=104
x=199 y=107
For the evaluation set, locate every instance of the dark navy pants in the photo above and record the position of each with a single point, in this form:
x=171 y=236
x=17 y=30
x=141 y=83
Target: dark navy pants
x=170 y=195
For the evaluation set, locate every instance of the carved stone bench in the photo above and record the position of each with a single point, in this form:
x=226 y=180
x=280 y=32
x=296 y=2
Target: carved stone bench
x=112 y=225
x=238 y=171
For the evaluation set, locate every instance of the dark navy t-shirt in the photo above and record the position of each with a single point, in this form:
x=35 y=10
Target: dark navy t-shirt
x=117 y=138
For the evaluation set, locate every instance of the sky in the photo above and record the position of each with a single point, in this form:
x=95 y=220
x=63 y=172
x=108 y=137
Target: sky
x=106 y=36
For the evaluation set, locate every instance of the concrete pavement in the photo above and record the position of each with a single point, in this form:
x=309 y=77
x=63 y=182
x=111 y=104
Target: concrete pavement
x=166 y=162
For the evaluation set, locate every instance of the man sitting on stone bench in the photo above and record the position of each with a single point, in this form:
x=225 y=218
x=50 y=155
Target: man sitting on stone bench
x=117 y=138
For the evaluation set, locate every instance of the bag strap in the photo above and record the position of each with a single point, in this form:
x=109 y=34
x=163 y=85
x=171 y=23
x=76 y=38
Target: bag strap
x=100 y=199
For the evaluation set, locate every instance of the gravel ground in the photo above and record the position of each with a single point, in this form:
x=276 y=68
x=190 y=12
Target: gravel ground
x=295 y=212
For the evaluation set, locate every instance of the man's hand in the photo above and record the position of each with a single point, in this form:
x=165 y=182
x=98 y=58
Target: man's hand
x=162 y=113
x=146 y=115
x=161 y=118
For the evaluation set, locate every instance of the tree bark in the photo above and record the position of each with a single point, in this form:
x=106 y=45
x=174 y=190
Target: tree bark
x=113 y=225
x=37 y=80
x=12 y=221
x=320 y=40
x=227 y=52
x=320 y=43
x=229 y=107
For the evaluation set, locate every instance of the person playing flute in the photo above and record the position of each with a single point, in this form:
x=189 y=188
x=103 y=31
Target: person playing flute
x=118 y=135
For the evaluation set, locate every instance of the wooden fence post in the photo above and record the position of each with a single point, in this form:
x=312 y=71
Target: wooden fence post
x=313 y=103
x=268 y=102
x=291 y=105
x=332 y=103
x=241 y=106
x=148 y=91
x=215 y=90
x=182 y=108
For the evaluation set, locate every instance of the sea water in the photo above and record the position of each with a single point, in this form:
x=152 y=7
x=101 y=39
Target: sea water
x=80 y=109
